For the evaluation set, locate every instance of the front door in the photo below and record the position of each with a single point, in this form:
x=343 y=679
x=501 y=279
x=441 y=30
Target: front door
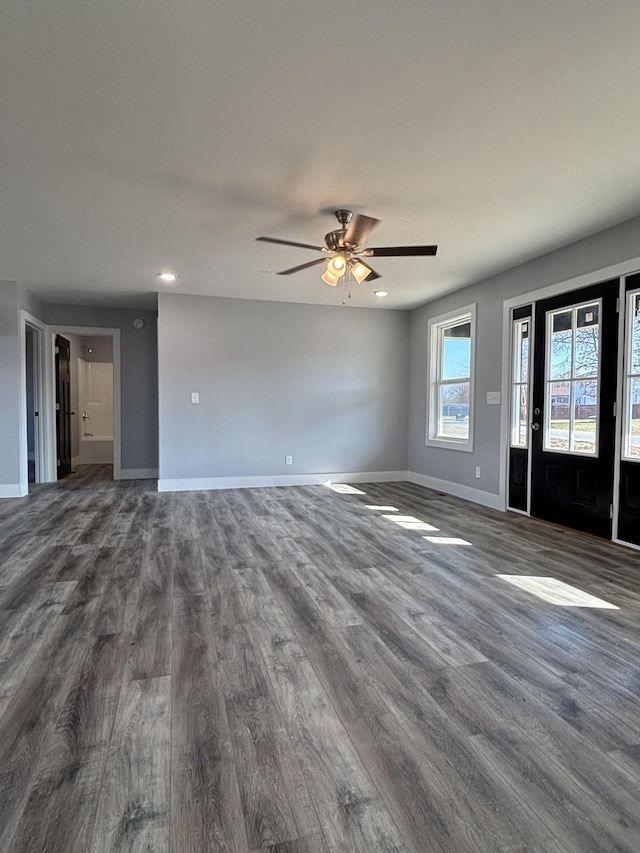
x=63 y=406
x=573 y=408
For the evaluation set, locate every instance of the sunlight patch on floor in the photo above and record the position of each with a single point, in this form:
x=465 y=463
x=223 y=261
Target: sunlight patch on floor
x=446 y=540
x=381 y=508
x=410 y=522
x=557 y=592
x=344 y=488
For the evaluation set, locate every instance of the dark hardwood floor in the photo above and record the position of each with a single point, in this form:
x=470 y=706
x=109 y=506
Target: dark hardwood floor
x=291 y=670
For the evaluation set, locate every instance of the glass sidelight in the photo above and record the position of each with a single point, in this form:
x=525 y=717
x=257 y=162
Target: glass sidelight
x=631 y=428
x=521 y=339
x=520 y=383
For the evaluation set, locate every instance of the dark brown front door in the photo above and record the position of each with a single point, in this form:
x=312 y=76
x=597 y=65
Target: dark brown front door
x=573 y=408
x=63 y=406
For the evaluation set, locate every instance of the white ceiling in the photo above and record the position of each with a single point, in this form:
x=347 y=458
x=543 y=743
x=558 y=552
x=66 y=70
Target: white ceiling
x=139 y=135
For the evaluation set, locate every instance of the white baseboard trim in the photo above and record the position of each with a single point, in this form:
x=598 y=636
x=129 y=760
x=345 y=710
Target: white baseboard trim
x=210 y=483
x=13 y=490
x=477 y=496
x=136 y=474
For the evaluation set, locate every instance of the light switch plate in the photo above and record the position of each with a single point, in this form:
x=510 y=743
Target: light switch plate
x=493 y=398
x=195 y=397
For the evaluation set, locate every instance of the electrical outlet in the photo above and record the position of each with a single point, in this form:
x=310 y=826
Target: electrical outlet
x=195 y=397
x=288 y=460
x=478 y=472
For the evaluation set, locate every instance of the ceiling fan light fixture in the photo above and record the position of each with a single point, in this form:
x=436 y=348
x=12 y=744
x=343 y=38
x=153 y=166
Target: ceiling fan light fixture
x=359 y=270
x=329 y=278
x=337 y=266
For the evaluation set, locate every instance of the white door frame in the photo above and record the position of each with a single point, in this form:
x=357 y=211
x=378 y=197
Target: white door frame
x=50 y=373
x=41 y=433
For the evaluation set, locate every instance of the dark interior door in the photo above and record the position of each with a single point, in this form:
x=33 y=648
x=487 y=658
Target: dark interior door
x=573 y=417
x=63 y=406
x=32 y=414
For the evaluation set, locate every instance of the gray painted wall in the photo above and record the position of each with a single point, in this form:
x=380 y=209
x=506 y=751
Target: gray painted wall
x=139 y=375
x=10 y=383
x=616 y=245
x=30 y=303
x=327 y=385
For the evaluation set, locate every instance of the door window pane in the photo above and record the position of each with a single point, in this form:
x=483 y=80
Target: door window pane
x=561 y=354
x=587 y=352
x=520 y=383
x=519 y=417
x=635 y=335
x=557 y=418
x=571 y=419
x=631 y=427
x=585 y=407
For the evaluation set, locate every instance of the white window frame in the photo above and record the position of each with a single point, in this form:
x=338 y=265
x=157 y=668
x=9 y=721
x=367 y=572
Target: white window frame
x=571 y=380
x=436 y=328
x=630 y=297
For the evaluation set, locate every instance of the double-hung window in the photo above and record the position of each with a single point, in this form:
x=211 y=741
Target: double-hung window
x=450 y=402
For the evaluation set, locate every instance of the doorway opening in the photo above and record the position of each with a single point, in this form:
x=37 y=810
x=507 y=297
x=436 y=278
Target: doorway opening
x=86 y=414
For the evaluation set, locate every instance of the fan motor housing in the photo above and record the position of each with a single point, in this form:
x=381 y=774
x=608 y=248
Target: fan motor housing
x=334 y=240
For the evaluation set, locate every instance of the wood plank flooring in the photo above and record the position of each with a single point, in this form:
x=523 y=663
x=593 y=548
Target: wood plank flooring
x=291 y=670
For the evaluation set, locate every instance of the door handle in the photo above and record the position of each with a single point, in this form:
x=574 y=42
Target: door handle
x=535 y=427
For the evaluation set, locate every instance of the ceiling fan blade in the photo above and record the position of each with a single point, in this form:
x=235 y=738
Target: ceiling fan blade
x=302 y=266
x=398 y=251
x=359 y=230
x=291 y=243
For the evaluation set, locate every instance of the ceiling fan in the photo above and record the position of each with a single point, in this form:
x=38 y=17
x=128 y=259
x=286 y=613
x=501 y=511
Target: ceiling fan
x=344 y=246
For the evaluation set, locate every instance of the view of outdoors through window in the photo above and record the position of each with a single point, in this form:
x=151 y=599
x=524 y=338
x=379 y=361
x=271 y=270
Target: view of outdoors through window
x=632 y=396
x=520 y=384
x=454 y=382
x=573 y=361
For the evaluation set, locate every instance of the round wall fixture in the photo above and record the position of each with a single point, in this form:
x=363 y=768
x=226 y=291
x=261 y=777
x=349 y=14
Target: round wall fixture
x=138 y=323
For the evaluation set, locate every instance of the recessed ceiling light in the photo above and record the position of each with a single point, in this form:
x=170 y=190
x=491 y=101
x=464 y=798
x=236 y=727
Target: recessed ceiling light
x=169 y=277
x=381 y=293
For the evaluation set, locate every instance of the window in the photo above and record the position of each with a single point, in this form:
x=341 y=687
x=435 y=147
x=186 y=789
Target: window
x=520 y=383
x=572 y=379
x=450 y=405
x=631 y=427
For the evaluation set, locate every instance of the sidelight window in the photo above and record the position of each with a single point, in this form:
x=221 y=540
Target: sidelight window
x=450 y=407
x=520 y=383
x=572 y=379
x=631 y=428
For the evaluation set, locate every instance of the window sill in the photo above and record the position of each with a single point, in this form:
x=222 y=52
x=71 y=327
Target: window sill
x=450 y=444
